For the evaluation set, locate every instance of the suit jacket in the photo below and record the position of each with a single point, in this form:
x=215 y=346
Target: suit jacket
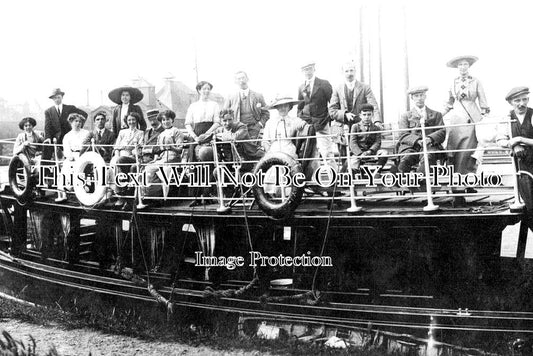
x=369 y=141
x=56 y=126
x=260 y=114
x=148 y=153
x=338 y=106
x=108 y=138
x=314 y=108
x=411 y=120
x=117 y=125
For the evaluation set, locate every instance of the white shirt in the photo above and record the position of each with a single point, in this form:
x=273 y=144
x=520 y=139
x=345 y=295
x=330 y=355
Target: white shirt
x=520 y=117
x=422 y=112
x=350 y=85
x=124 y=111
x=244 y=93
x=59 y=108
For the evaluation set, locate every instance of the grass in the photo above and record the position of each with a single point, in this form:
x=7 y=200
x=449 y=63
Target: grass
x=218 y=334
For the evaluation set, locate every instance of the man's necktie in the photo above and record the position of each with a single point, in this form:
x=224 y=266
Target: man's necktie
x=58 y=112
x=307 y=88
x=99 y=135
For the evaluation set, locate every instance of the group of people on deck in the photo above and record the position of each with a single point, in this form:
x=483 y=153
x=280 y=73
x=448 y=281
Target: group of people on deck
x=351 y=107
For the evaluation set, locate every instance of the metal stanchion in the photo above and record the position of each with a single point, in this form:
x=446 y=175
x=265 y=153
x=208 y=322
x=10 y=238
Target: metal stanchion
x=430 y=206
x=222 y=209
x=353 y=205
x=517 y=205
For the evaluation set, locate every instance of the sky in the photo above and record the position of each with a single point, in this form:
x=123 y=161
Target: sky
x=98 y=45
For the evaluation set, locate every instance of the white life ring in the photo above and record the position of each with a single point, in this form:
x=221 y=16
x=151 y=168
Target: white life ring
x=20 y=164
x=84 y=197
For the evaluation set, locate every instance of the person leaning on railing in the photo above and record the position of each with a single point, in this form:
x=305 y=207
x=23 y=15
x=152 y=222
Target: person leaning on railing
x=124 y=152
x=411 y=141
x=28 y=141
x=104 y=139
x=520 y=140
x=236 y=131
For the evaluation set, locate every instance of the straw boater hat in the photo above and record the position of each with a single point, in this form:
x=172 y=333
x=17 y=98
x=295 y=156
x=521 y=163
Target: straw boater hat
x=285 y=100
x=55 y=92
x=136 y=95
x=455 y=61
x=152 y=113
x=517 y=91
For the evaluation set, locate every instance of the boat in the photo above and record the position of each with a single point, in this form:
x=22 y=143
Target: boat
x=355 y=257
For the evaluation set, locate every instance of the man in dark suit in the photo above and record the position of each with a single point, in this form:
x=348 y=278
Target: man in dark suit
x=126 y=98
x=150 y=149
x=101 y=136
x=56 y=123
x=411 y=141
x=346 y=103
x=249 y=106
x=315 y=94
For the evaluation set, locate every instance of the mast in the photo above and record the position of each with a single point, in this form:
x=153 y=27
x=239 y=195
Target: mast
x=361 y=47
x=406 y=60
x=380 y=68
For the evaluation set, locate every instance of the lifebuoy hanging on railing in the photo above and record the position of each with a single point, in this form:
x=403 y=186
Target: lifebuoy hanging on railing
x=20 y=164
x=92 y=196
x=288 y=204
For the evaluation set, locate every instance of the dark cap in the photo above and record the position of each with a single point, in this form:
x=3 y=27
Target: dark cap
x=516 y=91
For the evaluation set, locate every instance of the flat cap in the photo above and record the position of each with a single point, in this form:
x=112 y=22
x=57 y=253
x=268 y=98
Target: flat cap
x=308 y=64
x=418 y=89
x=516 y=91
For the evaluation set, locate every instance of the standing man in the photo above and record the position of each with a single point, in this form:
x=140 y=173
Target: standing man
x=346 y=103
x=248 y=106
x=56 y=123
x=411 y=141
x=315 y=94
x=126 y=98
x=102 y=136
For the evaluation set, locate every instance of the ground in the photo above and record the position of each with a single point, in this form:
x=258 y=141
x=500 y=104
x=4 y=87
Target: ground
x=85 y=341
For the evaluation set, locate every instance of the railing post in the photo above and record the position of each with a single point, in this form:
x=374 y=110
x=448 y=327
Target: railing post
x=430 y=206
x=353 y=205
x=222 y=209
x=517 y=205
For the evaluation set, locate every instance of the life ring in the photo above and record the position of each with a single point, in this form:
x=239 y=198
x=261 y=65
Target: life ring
x=287 y=206
x=14 y=165
x=96 y=195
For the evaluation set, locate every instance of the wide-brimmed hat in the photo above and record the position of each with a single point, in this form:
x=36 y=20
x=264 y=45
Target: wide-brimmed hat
x=55 y=92
x=452 y=63
x=281 y=101
x=516 y=91
x=136 y=94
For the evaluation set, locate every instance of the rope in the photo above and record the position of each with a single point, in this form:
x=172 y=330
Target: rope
x=211 y=293
x=308 y=298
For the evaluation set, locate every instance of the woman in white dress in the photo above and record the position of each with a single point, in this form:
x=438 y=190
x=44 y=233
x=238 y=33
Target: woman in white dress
x=72 y=145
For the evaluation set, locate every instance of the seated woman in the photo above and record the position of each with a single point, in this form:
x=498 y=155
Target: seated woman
x=170 y=143
x=124 y=152
x=72 y=145
x=28 y=140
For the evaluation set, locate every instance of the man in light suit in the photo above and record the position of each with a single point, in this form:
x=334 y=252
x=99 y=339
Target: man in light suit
x=411 y=141
x=346 y=103
x=315 y=94
x=56 y=123
x=101 y=136
x=126 y=98
x=248 y=106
